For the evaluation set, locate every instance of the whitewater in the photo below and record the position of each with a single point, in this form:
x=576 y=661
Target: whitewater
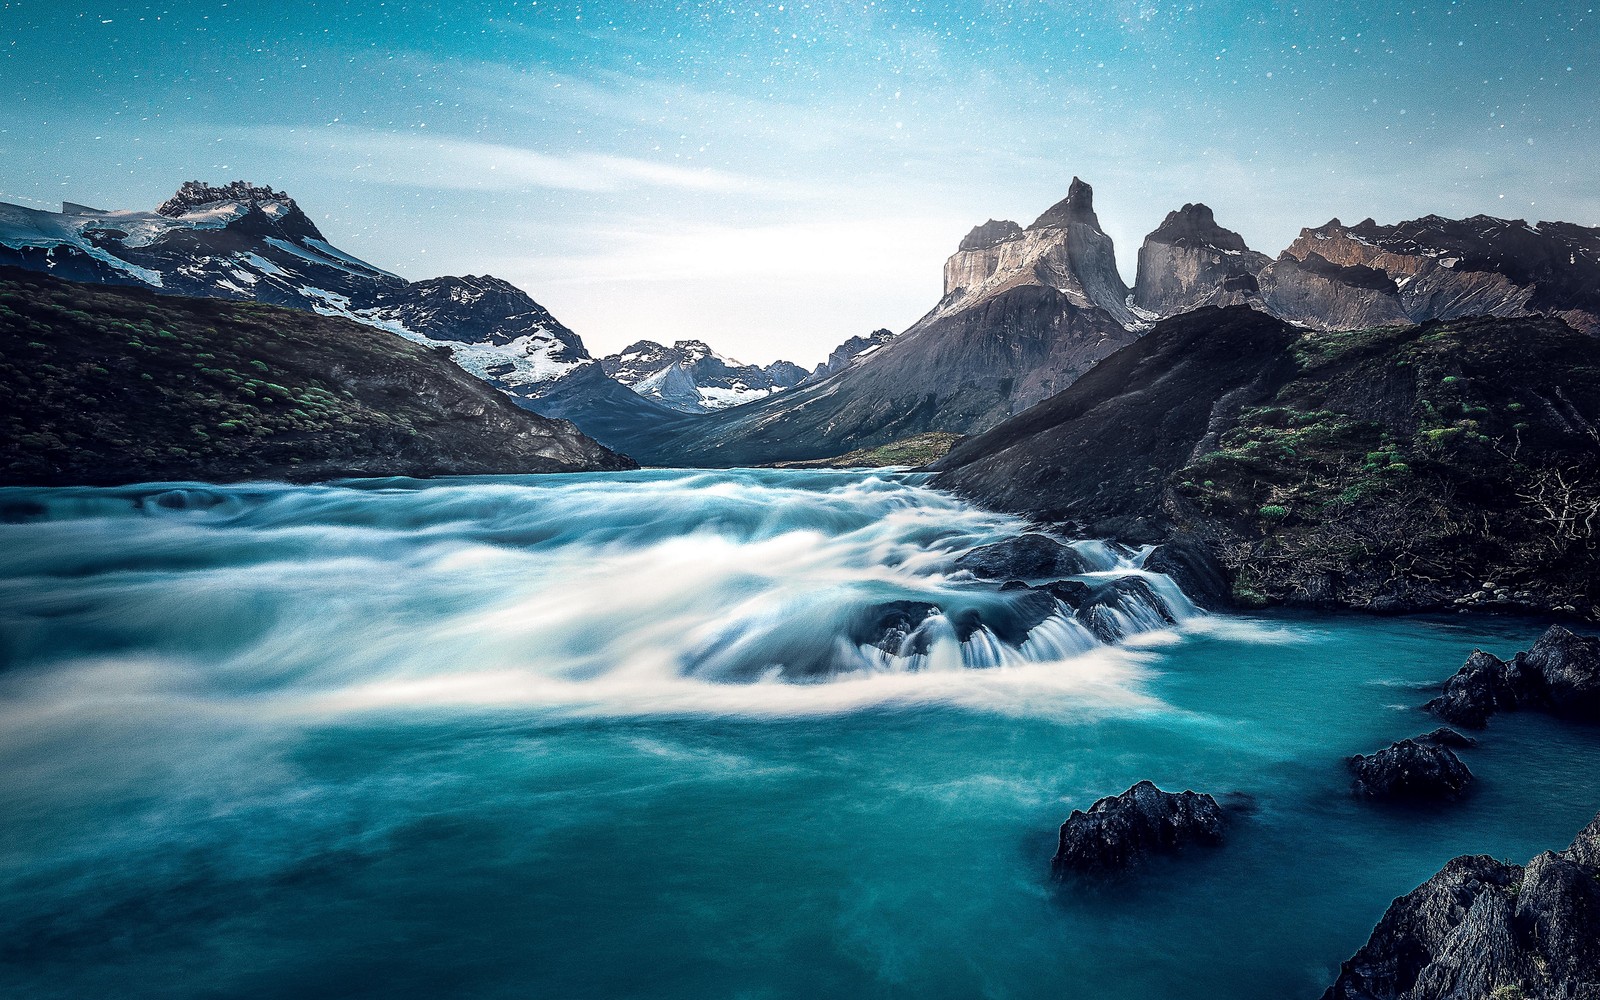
x=645 y=735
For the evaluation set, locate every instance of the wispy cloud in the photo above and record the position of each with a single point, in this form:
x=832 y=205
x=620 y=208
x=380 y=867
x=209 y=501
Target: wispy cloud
x=457 y=164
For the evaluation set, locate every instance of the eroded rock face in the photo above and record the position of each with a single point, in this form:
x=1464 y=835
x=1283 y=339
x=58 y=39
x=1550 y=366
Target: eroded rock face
x=1560 y=674
x=1337 y=277
x=1189 y=261
x=1119 y=831
x=1481 y=925
x=1418 y=770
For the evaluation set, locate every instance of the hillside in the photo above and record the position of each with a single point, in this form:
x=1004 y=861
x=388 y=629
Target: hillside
x=104 y=384
x=1396 y=468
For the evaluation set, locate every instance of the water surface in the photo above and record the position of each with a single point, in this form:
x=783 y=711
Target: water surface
x=610 y=736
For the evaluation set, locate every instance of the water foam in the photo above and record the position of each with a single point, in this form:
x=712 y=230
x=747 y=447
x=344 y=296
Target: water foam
x=747 y=592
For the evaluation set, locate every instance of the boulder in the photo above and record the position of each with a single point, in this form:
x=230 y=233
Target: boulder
x=1410 y=770
x=1484 y=928
x=1030 y=556
x=1119 y=831
x=1560 y=674
x=1195 y=570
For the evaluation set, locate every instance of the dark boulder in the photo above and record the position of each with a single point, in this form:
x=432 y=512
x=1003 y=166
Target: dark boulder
x=888 y=625
x=1560 y=674
x=1410 y=770
x=1194 y=569
x=1446 y=737
x=1123 y=606
x=1030 y=556
x=1119 y=831
x=1482 y=926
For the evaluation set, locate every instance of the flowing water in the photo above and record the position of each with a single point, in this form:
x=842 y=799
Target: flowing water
x=658 y=735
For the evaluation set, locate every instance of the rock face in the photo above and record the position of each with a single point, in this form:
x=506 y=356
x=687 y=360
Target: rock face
x=1026 y=557
x=845 y=354
x=1189 y=261
x=108 y=385
x=1319 y=470
x=1560 y=675
x=1064 y=249
x=1481 y=926
x=1338 y=277
x=1119 y=831
x=1418 y=770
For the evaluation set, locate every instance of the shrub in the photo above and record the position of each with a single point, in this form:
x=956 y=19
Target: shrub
x=1274 y=512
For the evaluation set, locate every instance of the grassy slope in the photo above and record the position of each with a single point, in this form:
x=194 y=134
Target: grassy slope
x=919 y=449
x=101 y=384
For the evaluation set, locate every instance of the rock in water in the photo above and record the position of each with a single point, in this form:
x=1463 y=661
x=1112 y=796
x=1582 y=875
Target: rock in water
x=1560 y=675
x=1481 y=927
x=1118 y=831
x=1411 y=770
x=1030 y=556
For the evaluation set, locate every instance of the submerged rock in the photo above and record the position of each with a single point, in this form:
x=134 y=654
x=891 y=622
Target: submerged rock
x=1417 y=770
x=1560 y=674
x=1447 y=737
x=1484 y=928
x=1030 y=556
x=1119 y=831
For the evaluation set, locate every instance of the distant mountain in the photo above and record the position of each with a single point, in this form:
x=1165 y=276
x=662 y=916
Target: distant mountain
x=103 y=385
x=692 y=378
x=1189 y=261
x=1024 y=313
x=241 y=241
x=1336 y=277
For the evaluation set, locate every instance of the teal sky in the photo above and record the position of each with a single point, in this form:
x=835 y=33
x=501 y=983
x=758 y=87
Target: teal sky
x=774 y=177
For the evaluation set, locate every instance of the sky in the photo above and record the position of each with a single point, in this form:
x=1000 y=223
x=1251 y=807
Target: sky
x=773 y=178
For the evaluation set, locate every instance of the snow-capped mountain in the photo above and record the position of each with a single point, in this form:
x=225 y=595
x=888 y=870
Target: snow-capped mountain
x=689 y=376
x=248 y=242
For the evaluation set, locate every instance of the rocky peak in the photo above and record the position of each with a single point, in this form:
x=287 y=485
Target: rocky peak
x=1076 y=207
x=260 y=202
x=1194 y=225
x=990 y=233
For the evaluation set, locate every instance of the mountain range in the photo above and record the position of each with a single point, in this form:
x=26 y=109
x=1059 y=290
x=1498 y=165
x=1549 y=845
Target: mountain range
x=1025 y=312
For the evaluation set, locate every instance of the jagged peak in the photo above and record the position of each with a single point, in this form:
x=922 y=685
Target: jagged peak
x=1076 y=207
x=198 y=194
x=195 y=195
x=1195 y=225
x=989 y=234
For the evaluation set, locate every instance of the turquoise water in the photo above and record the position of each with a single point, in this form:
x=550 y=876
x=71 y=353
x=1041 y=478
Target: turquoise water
x=607 y=736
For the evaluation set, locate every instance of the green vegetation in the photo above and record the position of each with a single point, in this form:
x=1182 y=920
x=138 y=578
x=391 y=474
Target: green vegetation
x=919 y=449
x=1403 y=466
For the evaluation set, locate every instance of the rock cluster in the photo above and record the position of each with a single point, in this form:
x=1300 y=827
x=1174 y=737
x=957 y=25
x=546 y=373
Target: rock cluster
x=1484 y=928
x=1560 y=674
x=1119 y=831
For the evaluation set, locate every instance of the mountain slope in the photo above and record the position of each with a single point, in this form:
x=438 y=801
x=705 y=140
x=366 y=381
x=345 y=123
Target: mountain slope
x=244 y=242
x=1013 y=334
x=109 y=385
x=1397 y=468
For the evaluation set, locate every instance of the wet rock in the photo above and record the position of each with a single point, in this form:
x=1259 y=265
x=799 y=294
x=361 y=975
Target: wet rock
x=1484 y=928
x=1418 y=770
x=1030 y=556
x=1447 y=737
x=1121 y=830
x=888 y=626
x=1560 y=674
x=1194 y=569
x=1116 y=609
